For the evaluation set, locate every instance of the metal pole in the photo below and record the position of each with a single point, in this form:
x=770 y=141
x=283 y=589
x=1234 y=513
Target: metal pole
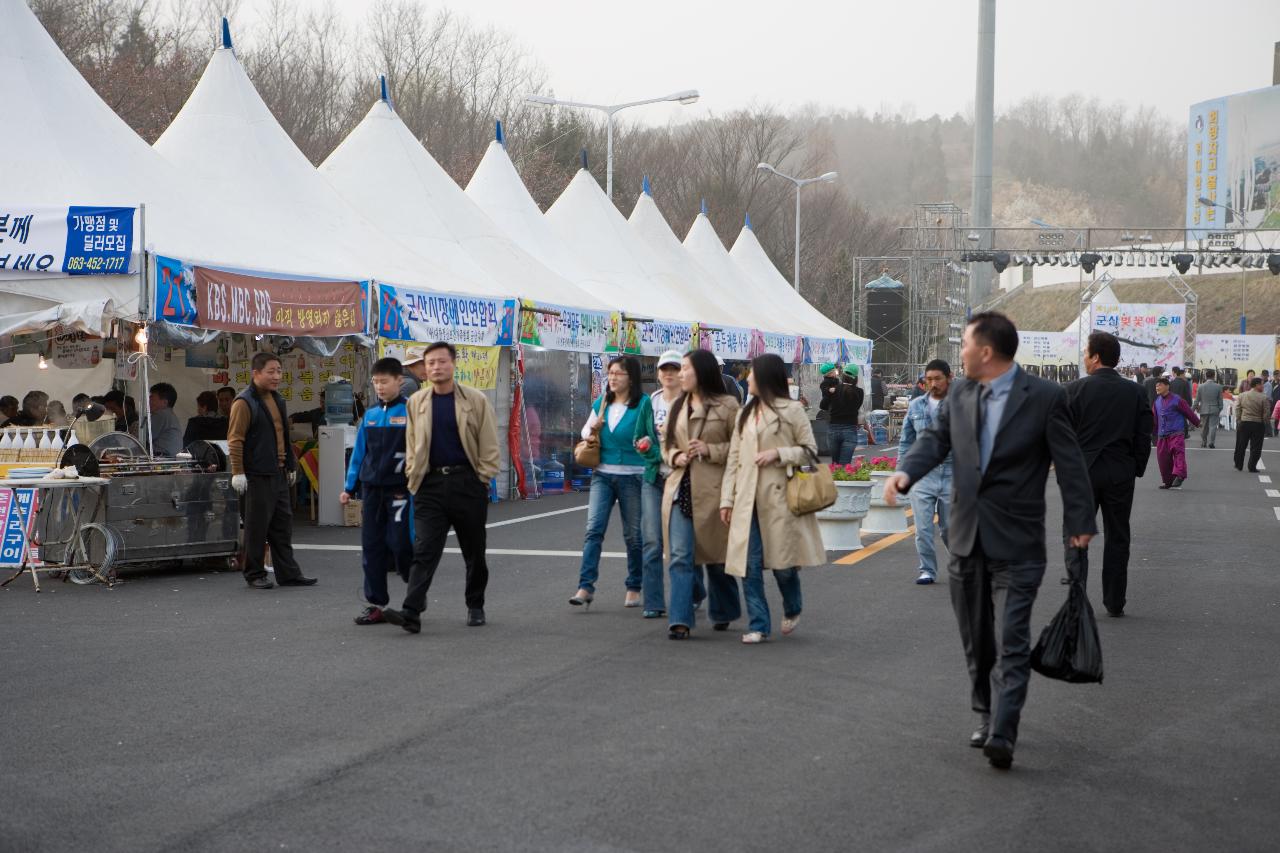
x=983 y=126
x=796 y=278
x=1242 y=320
x=608 y=158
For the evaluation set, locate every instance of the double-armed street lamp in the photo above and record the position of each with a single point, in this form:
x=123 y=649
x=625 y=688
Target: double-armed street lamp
x=799 y=184
x=684 y=98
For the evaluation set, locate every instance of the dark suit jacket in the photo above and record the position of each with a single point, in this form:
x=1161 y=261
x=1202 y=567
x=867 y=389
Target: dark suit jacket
x=1149 y=385
x=1005 y=507
x=1181 y=387
x=1113 y=425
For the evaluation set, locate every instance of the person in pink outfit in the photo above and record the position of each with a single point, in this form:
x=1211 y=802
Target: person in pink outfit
x=1171 y=414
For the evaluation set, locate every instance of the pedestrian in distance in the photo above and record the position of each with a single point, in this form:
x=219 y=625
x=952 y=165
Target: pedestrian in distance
x=617 y=415
x=1003 y=428
x=772 y=434
x=730 y=381
x=842 y=400
x=656 y=471
x=263 y=470
x=377 y=469
x=414 y=370
x=931 y=495
x=1179 y=385
x=1209 y=406
x=1172 y=414
x=451 y=454
x=696 y=445
x=1247 y=382
x=1113 y=426
x=1251 y=413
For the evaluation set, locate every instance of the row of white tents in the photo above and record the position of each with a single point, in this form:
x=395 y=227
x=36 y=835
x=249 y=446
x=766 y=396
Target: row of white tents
x=226 y=186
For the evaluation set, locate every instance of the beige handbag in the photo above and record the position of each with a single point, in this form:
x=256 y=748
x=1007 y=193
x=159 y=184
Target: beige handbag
x=810 y=488
x=587 y=452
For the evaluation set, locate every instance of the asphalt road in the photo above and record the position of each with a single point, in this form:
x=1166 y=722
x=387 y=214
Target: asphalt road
x=183 y=711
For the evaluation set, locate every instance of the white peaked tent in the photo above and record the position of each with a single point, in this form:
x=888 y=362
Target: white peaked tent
x=589 y=223
x=231 y=147
x=749 y=256
x=497 y=190
x=714 y=302
x=384 y=172
x=1080 y=326
x=64 y=146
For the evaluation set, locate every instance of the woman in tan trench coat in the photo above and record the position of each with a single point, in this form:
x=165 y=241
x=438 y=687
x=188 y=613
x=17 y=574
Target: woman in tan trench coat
x=773 y=432
x=696 y=445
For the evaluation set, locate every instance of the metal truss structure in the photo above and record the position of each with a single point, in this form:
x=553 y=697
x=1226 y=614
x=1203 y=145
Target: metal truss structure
x=935 y=297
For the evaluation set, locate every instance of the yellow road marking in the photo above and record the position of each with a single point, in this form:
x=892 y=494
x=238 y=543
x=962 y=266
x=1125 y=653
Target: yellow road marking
x=877 y=547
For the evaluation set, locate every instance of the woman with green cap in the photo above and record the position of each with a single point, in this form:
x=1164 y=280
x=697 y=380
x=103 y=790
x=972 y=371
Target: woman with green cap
x=841 y=400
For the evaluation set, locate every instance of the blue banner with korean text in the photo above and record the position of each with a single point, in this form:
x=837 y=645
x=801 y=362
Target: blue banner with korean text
x=78 y=240
x=405 y=314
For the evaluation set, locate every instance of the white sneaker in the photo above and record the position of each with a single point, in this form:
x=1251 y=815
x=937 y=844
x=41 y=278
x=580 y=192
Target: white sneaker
x=924 y=579
x=789 y=625
x=753 y=637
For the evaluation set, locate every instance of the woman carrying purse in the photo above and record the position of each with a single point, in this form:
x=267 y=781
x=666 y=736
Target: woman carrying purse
x=617 y=478
x=772 y=434
x=698 y=434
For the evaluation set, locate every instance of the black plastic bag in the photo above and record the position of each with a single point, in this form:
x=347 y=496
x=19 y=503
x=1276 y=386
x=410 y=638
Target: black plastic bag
x=1068 y=648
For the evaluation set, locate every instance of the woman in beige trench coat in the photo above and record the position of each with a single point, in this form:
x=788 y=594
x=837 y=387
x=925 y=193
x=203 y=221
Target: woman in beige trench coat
x=773 y=432
x=696 y=445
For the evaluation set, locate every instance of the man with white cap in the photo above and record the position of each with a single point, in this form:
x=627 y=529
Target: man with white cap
x=415 y=370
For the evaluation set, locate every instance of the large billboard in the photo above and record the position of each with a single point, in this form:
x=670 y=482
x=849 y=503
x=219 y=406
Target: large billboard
x=1233 y=158
x=1149 y=334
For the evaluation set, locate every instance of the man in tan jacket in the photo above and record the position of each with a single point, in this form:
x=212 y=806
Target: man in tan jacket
x=451 y=453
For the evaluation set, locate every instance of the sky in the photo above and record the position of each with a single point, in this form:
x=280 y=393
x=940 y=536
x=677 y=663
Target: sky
x=851 y=54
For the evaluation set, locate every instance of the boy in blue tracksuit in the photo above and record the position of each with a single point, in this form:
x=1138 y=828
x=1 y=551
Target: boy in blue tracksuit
x=377 y=464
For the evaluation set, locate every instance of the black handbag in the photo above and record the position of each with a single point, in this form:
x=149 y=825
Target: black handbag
x=1068 y=648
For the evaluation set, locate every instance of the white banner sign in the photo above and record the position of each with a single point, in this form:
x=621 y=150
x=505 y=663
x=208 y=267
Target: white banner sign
x=1149 y=334
x=1242 y=352
x=1044 y=348
x=72 y=240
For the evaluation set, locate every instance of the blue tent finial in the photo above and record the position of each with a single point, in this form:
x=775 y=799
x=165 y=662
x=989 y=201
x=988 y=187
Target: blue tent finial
x=226 y=34
x=704 y=207
x=645 y=188
x=497 y=133
x=584 y=159
x=747 y=222
x=382 y=80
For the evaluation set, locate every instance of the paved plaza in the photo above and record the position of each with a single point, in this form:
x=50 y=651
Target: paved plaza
x=183 y=711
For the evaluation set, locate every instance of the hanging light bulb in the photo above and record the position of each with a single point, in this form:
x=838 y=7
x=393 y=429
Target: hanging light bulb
x=43 y=365
x=140 y=337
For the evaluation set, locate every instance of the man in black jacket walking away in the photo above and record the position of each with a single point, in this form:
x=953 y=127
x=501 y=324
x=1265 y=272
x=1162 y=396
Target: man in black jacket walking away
x=1003 y=429
x=842 y=399
x=1113 y=424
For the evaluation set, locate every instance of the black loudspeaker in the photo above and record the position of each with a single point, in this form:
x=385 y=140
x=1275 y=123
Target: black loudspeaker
x=887 y=324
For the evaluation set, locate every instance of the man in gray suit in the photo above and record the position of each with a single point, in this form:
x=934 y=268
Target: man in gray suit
x=1003 y=429
x=1209 y=405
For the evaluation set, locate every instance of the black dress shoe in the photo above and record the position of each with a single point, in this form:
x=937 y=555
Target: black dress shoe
x=475 y=617
x=406 y=619
x=298 y=581
x=999 y=752
x=1115 y=613
x=259 y=583
x=978 y=739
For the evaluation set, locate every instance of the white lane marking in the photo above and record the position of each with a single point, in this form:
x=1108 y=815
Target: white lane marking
x=504 y=552
x=1273 y=493
x=1277 y=509
x=1264 y=478
x=546 y=515
x=1262 y=466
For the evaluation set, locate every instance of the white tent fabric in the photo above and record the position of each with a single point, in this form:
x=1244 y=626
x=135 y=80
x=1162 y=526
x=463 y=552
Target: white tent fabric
x=93 y=317
x=637 y=282
x=714 y=303
x=384 y=172
x=750 y=257
x=1080 y=325
x=64 y=146
x=231 y=147
x=497 y=190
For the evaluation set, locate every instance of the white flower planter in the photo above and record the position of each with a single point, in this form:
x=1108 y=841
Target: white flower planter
x=882 y=518
x=841 y=523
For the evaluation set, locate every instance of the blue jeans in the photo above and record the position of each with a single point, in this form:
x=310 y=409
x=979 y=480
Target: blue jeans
x=843 y=441
x=932 y=493
x=687 y=587
x=605 y=490
x=753 y=587
x=651 y=528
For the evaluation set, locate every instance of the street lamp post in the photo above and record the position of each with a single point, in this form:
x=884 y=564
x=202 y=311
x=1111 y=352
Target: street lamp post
x=1207 y=202
x=799 y=183
x=684 y=98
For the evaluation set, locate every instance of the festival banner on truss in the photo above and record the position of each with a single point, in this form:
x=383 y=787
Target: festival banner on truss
x=1149 y=333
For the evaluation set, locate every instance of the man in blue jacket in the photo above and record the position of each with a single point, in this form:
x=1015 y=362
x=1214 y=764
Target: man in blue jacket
x=932 y=494
x=377 y=465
